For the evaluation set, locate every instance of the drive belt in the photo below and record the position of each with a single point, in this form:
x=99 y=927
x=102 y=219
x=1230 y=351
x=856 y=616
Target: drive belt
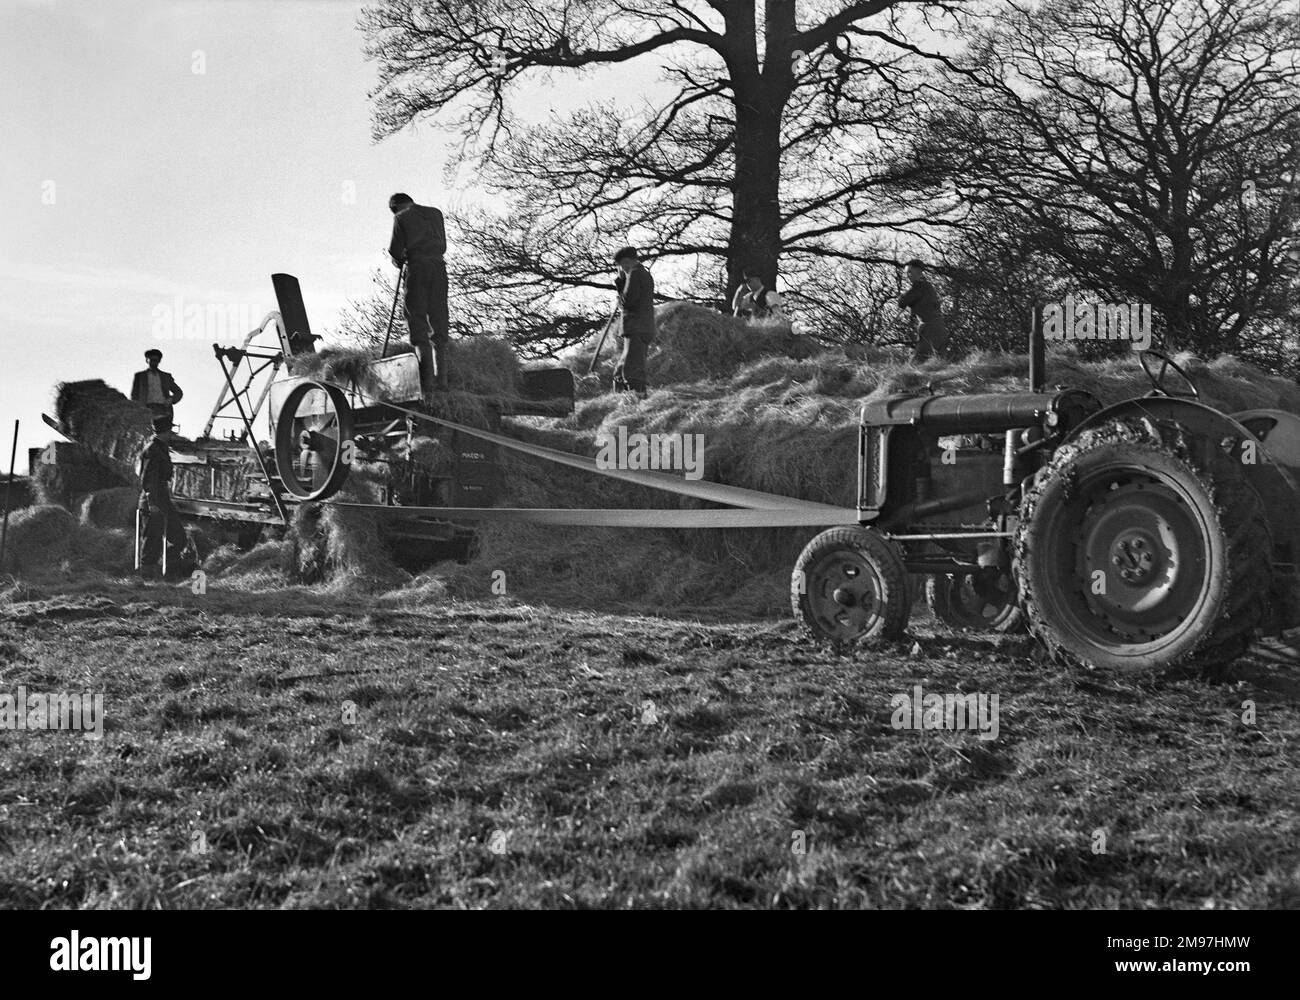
x=759 y=510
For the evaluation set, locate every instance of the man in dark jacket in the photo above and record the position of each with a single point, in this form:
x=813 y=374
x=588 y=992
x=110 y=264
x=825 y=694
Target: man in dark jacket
x=636 y=293
x=161 y=522
x=420 y=242
x=156 y=388
x=923 y=300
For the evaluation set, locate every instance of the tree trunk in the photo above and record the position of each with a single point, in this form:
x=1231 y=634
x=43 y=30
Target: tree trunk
x=755 y=239
x=760 y=96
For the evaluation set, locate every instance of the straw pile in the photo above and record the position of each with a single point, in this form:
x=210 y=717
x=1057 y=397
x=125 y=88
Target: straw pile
x=340 y=546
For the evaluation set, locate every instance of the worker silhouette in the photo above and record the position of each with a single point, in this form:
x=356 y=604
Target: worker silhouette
x=923 y=300
x=420 y=242
x=156 y=388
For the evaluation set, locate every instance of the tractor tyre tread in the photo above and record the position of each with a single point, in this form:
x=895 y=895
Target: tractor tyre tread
x=1240 y=514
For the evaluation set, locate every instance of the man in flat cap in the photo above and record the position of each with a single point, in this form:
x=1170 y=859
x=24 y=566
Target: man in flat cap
x=636 y=293
x=155 y=387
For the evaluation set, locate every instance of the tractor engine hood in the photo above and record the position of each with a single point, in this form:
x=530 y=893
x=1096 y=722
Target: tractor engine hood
x=980 y=414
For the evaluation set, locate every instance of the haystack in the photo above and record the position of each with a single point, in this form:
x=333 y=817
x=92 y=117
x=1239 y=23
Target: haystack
x=695 y=343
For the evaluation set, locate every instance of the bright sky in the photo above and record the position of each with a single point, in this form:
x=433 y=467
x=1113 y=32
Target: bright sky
x=131 y=179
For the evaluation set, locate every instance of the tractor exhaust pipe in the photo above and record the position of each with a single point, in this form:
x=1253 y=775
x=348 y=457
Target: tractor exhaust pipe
x=1037 y=359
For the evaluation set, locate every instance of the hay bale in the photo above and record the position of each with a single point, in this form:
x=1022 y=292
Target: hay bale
x=105 y=421
x=39 y=539
x=113 y=508
x=19 y=493
x=73 y=473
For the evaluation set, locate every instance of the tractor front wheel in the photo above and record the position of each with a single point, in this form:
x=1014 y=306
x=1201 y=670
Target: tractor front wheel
x=850 y=585
x=1143 y=547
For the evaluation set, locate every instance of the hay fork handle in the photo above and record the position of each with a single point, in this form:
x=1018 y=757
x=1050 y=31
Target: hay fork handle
x=603 y=334
x=9 y=488
x=392 y=313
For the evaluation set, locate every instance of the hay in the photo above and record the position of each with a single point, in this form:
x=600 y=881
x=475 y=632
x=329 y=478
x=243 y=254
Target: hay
x=107 y=551
x=343 y=365
x=113 y=508
x=18 y=494
x=478 y=366
x=694 y=343
x=39 y=539
x=106 y=422
x=74 y=473
x=339 y=547
x=483 y=366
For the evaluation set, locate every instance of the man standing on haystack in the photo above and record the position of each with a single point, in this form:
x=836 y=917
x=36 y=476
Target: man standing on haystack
x=161 y=522
x=420 y=242
x=923 y=300
x=156 y=388
x=636 y=295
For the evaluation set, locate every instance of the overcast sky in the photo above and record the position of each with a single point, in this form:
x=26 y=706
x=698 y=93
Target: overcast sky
x=183 y=148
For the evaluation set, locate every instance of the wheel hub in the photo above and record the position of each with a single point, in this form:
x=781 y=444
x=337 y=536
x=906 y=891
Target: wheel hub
x=1138 y=558
x=843 y=593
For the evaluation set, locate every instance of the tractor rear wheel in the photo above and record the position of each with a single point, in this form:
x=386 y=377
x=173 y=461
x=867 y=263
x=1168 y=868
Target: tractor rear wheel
x=1143 y=547
x=850 y=585
x=983 y=602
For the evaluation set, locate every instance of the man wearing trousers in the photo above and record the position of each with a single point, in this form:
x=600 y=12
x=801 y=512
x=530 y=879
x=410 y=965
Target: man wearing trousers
x=420 y=242
x=161 y=522
x=636 y=292
x=923 y=300
x=155 y=387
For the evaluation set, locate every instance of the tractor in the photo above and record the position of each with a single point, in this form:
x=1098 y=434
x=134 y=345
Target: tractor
x=1152 y=534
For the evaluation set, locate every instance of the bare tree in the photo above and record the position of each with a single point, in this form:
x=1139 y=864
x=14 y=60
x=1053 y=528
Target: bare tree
x=762 y=149
x=1144 y=149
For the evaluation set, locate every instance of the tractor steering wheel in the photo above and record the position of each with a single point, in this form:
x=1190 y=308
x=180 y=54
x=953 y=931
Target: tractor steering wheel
x=1158 y=379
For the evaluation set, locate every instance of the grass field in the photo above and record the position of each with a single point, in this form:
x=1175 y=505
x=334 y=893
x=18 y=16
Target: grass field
x=500 y=755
